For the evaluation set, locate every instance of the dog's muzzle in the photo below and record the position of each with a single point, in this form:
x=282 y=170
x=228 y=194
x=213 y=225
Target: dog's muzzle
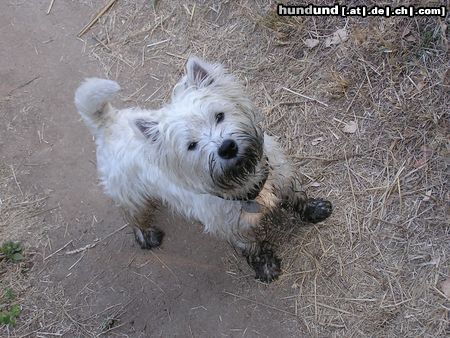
x=254 y=191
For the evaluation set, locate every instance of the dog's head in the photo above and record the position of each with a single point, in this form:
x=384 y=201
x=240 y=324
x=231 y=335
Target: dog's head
x=208 y=139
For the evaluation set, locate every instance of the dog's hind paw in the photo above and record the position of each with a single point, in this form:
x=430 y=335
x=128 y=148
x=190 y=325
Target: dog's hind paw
x=148 y=238
x=317 y=210
x=266 y=265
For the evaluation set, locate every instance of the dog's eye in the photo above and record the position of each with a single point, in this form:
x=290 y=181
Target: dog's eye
x=192 y=145
x=220 y=117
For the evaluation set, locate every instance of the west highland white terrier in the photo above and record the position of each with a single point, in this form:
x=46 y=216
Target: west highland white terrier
x=203 y=154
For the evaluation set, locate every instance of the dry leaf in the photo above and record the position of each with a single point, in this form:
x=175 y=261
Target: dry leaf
x=316 y=141
x=447 y=77
x=338 y=37
x=420 y=84
x=405 y=32
x=427 y=196
x=311 y=43
x=314 y=184
x=445 y=287
x=425 y=155
x=350 y=127
x=407 y=35
x=433 y=261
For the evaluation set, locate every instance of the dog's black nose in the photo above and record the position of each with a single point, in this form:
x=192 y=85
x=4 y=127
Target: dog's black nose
x=228 y=149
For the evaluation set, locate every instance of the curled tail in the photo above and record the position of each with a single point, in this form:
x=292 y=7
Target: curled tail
x=92 y=98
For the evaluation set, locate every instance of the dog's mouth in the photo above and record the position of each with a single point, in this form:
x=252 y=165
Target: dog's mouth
x=253 y=192
x=242 y=177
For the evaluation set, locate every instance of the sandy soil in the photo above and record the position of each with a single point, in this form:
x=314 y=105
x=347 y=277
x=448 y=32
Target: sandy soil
x=182 y=289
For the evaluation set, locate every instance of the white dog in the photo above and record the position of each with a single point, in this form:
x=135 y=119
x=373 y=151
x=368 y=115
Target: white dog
x=203 y=154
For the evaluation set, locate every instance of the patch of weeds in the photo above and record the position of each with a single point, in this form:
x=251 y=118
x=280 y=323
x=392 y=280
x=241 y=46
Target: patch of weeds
x=284 y=27
x=428 y=44
x=108 y=324
x=9 y=316
x=12 y=251
x=427 y=39
x=9 y=294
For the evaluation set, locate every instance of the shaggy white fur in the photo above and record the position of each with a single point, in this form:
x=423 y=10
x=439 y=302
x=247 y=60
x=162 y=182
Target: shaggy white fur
x=173 y=154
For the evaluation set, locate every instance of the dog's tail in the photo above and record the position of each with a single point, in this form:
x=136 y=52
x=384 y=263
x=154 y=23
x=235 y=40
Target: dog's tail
x=92 y=100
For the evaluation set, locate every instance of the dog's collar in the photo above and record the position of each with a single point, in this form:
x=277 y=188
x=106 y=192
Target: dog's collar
x=249 y=204
x=251 y=207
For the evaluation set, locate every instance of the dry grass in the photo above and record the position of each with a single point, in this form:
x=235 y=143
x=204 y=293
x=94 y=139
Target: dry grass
x=45 y=308
x=375 y=267
x=19 y=210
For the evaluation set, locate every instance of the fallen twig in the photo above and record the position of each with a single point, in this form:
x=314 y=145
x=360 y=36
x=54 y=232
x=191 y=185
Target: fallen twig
x=15 y=179
x=304 y=96
x=54 y=253
x=90 y=246
x=98 y=16
x=50 y=7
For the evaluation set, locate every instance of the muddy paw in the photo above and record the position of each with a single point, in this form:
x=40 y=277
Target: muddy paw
x=266 y=265
x=317 y=210
x=149 y=238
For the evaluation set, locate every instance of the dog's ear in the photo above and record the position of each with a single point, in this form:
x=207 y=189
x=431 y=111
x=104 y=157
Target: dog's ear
x=147 y=128
x=200 y=73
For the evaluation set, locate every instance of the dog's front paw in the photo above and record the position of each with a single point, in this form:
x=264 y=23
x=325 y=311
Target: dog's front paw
x=317 y=210
x=266 y=265
x=148 y=238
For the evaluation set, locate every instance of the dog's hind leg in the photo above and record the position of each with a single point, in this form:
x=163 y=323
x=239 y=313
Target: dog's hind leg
x=260 y=256
x=146 y=235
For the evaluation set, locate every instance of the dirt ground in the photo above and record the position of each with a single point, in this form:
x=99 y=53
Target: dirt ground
x=376 y=268
x=180 y=290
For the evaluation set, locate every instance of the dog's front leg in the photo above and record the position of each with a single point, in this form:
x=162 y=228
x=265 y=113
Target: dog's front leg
x=311 y=210
x=146 y=235
x=259 y=254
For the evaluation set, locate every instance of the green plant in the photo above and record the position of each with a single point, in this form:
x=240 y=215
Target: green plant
x=12 y=251
x=9 y=294
x=108 y=323
x=8 y=317
x=427 y=39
